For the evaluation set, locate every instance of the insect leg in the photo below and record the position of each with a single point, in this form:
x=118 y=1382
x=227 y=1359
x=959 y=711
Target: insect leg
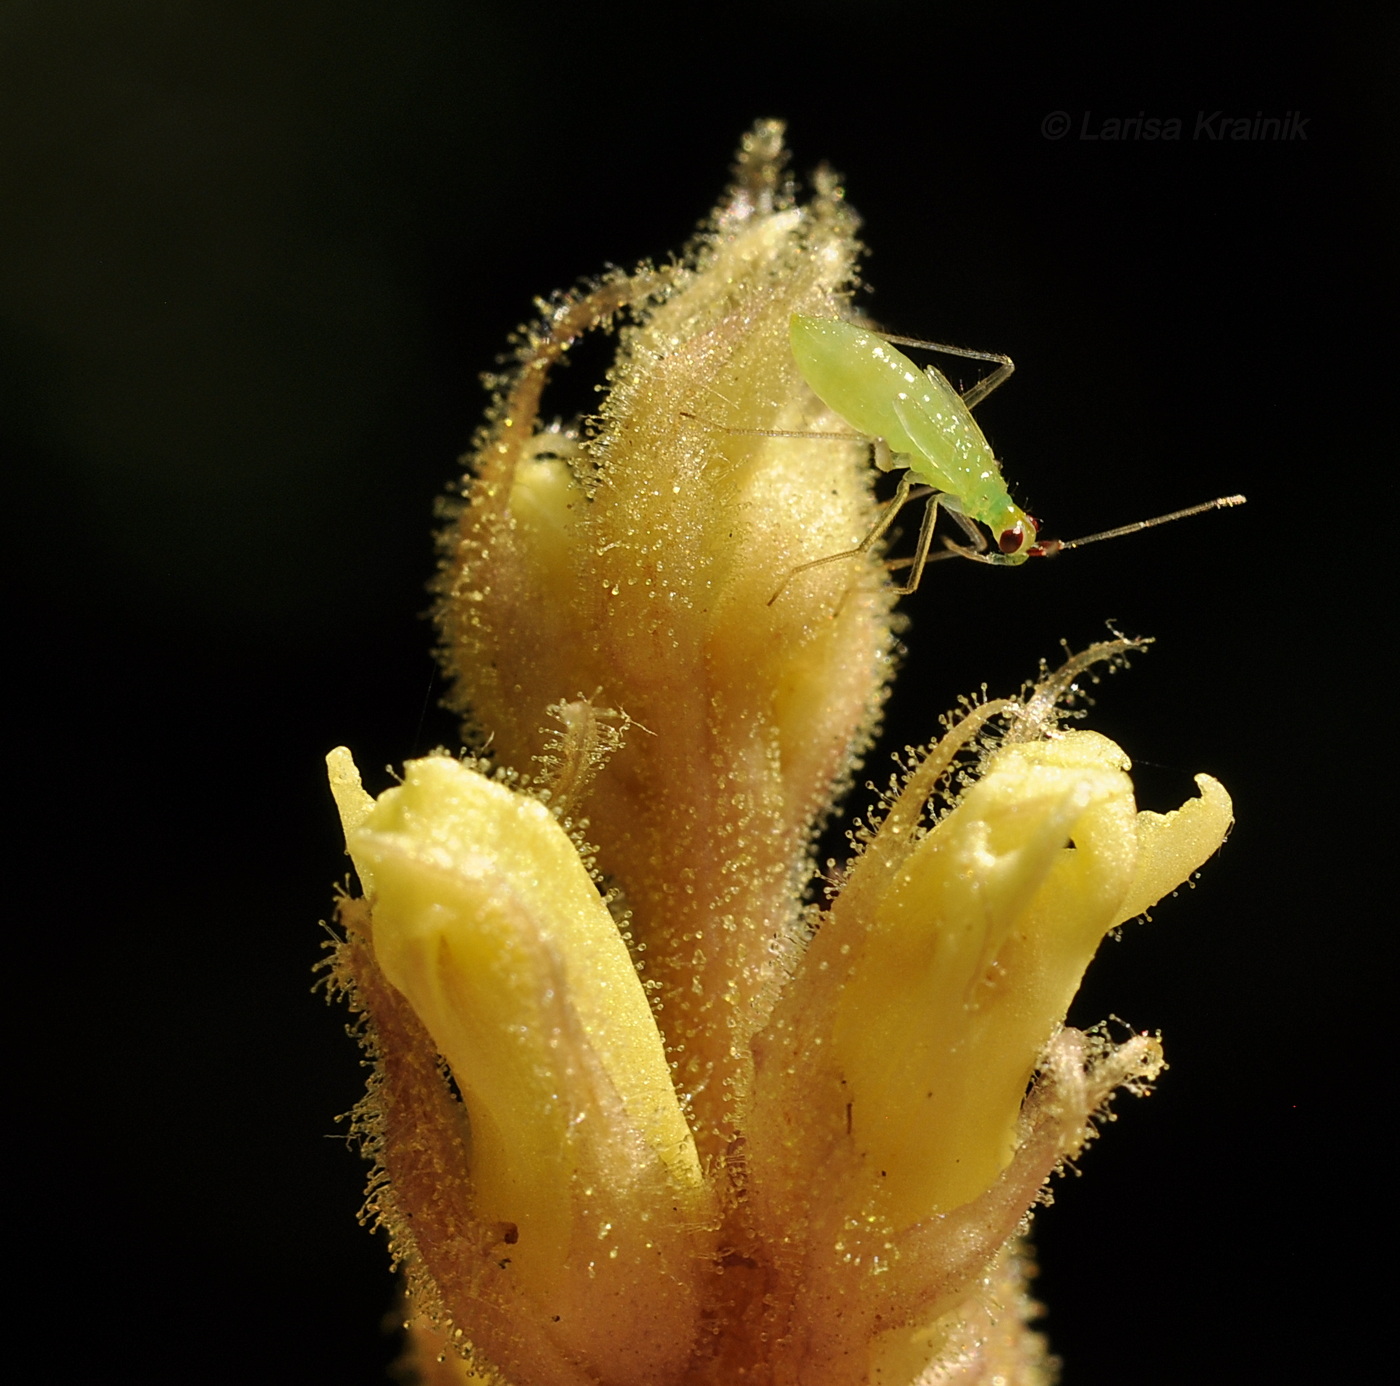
x=976 y=393
x=881 y=525
x=976 y=547
x=921 y=552
x=975 y=537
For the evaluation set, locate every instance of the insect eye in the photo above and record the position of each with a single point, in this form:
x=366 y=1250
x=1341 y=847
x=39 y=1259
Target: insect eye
x=1010 y=540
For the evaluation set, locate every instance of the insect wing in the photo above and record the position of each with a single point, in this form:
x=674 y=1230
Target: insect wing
x=942 y=457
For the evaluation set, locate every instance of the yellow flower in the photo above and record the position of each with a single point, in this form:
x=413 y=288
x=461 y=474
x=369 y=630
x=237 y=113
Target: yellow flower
x=638 y=1115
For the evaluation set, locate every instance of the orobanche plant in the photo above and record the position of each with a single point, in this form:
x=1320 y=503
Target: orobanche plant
x=640 y=1113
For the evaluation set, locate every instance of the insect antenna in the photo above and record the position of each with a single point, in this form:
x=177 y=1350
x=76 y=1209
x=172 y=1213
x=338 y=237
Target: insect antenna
x=1050 y=547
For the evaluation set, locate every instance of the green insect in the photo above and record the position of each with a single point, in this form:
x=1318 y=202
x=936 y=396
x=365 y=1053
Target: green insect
x=918 y=422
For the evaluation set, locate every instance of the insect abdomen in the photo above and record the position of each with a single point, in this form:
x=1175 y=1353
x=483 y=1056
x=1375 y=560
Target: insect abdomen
x=881 y=393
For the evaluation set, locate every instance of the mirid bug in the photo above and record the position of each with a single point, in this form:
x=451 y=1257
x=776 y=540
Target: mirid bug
x=917 y=422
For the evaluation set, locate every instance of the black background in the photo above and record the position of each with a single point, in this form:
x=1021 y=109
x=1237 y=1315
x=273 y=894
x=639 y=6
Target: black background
x=253 y=257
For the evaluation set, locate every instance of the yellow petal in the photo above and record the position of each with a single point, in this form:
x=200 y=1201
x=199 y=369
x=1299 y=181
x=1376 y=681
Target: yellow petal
x=1173 y=846
x=972 y=950
x=976 y=948
x=486 y=919
x=351 y=801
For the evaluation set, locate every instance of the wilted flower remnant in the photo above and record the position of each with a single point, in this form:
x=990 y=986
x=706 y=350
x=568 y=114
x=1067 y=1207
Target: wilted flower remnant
x=638 y=1116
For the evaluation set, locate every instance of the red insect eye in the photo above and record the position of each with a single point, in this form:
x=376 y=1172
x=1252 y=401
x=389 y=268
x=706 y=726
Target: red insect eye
x=1010 y=540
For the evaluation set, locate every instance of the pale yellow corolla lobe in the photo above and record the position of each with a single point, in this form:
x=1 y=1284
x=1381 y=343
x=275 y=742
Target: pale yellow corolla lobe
x=975 y=948
x=486 y=919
